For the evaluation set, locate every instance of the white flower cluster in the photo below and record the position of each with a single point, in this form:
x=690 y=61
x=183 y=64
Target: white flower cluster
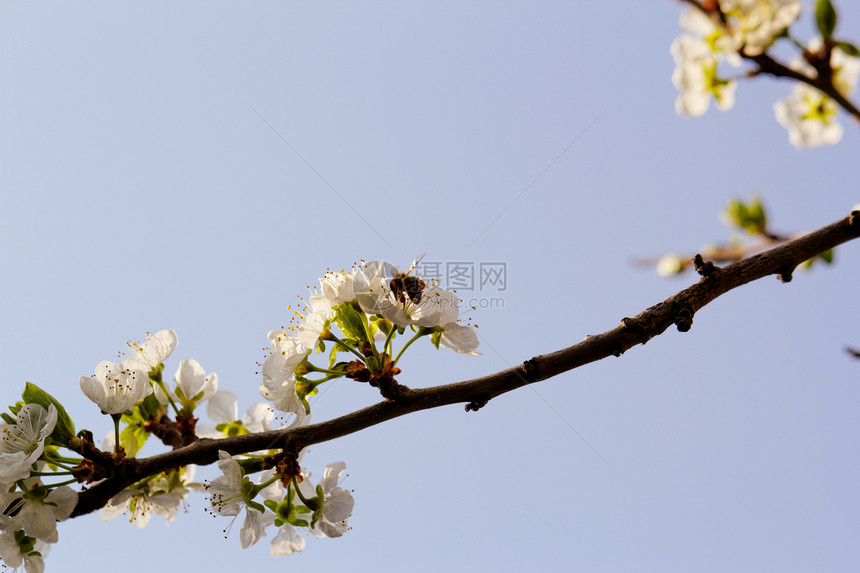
x=437 y=308
x=810 y=115
x=342 y=295
x=28 y=522
x=366 y=305
x=116 y=388
x=323 y=510
x=160 y=495
x=749 y=28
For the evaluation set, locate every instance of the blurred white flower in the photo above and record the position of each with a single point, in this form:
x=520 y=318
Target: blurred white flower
x=697 y=57
x=755 y=23
x=809 y=116
x=670 y=264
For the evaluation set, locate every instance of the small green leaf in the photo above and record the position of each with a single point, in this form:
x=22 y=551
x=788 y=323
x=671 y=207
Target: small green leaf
x=757 y=218
x=752 y=218
x=149 y=408
x=132 y=439
x=351 y=320
x=436 y=338
x=65 y=428
x=735 y=213
x=825 y=18
x=849 y=48
x=826 y=257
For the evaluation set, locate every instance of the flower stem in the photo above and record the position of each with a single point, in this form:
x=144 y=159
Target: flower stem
x=386 y=348
x=421 y=332
x=117 y=444
x=166 y=393
x=345 y=345
x=299 y=491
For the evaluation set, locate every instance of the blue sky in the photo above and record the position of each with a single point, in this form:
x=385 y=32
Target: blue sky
x=195 y=166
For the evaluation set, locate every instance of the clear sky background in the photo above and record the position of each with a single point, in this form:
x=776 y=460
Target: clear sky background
x=144 y=187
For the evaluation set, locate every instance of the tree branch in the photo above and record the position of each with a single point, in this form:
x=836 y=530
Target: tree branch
x=678 y=310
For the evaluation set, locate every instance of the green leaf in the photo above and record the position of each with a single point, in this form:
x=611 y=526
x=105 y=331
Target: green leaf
x=65 y=428
x=849 y=48
x=436 y=338
x=751 y=218
x=735 y=213
x=826 y=257
x=149 y=408
x=825 y=18
x=757 y=221
x=351 y=320
x=133 y=436
x=132 y=439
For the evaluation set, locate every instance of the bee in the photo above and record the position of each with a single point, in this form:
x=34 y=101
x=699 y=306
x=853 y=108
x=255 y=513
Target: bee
x=405 y=287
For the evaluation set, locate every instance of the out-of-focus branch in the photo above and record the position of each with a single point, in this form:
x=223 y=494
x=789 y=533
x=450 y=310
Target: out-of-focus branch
x=767 y=65
x=678 y=310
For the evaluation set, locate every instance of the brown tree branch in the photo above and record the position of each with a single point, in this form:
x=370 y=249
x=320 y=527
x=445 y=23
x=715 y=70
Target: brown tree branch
x=678 y=310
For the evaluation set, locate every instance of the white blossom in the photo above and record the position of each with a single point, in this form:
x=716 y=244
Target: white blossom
x=223 y=409
x=286 y=542
x=337 y=287
x=160 y=496
x=287 y=353
x=13 y=556
x=23 y=442
x=460 y=338
x=337 y=504
x=228 y=497
x=696 y=74
x=116 y=388
x=38 y=512
x=755 y=23
x=155 y=350
x=191 y=379
x=670 y=264
x=809 y=116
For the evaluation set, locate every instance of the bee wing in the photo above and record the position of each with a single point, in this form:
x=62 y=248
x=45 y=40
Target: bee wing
x=415 y=262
